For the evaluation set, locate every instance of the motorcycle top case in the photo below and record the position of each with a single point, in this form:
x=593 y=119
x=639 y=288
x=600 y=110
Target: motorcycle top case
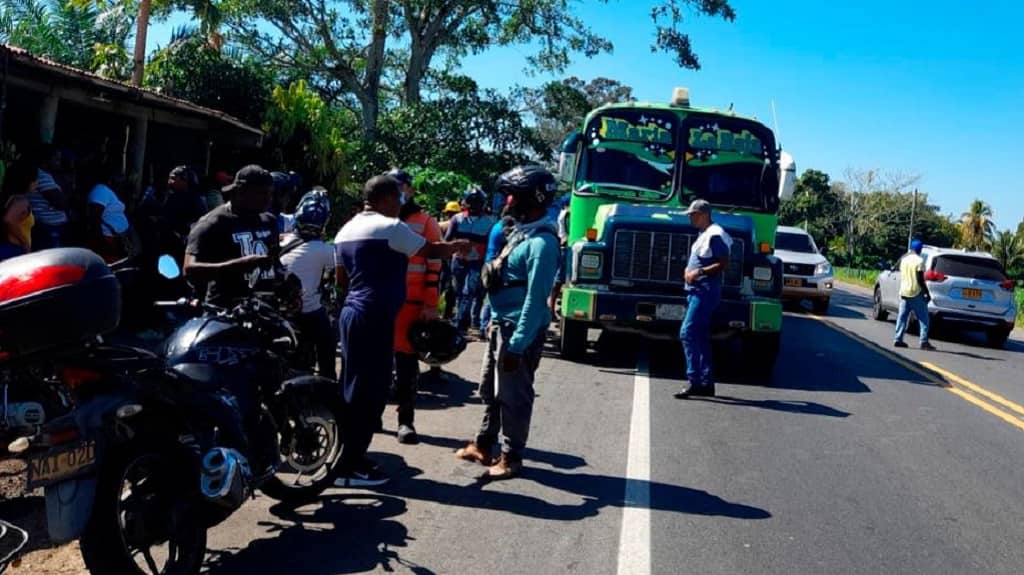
x=54 y=298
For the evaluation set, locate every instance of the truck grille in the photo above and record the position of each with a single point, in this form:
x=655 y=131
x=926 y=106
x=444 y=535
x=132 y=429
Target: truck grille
x=798 y=269
x=660 y=257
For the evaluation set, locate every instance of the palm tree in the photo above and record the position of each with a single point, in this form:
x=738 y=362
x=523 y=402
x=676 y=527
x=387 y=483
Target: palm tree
x=976 y=226
x=1008 y=248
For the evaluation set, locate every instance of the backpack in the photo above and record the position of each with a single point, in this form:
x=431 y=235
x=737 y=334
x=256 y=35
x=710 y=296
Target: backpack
x=492 y=276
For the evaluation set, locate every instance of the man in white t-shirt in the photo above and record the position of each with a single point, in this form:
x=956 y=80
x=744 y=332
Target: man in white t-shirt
x=107 y=218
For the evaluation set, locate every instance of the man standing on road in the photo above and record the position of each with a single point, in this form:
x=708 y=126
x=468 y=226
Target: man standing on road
x=372 y=254
x=914 y=296
x=709 y=258
x=519 y=283
x=421 y=286
x=473 y=225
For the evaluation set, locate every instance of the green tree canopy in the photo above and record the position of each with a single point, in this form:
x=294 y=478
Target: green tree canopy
x=976 y=226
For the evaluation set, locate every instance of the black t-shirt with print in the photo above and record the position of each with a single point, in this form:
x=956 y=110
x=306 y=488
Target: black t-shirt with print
x=223 y=235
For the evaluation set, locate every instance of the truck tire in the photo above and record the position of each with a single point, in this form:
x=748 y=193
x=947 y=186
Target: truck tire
x=574 y=339
x=877 y=309
x=760 y=352
x=820 y=306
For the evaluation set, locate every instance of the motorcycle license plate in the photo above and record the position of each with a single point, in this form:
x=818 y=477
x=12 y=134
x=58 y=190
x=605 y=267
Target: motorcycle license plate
x=794 y=282
x=971 y=293
x=670 y=311
x=60 y=464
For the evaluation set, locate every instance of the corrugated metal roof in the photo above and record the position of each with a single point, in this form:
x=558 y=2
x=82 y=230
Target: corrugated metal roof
x=127 y=91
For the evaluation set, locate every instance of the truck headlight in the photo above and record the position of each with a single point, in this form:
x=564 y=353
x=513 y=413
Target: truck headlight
x=763 y=274
x=590 y=265
x=824 y=268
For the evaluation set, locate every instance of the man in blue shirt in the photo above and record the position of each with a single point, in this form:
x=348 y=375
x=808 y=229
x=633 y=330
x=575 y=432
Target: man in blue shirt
x=709 y=258
x=519 y=282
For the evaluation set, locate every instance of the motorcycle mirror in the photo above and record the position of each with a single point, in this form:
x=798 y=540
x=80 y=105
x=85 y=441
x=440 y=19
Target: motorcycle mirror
x=168 y=268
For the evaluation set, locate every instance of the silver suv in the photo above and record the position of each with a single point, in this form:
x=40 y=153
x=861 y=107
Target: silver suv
x=806 y=274
x=969 y=290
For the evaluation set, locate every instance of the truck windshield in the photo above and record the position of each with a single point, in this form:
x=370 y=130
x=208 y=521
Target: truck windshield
x=630 y=153
x=791 y=242
x=730 y=162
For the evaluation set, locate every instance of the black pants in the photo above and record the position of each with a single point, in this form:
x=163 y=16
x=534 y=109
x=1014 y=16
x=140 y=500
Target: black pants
x=367 y=359
x=315 y=333
x=407 y=374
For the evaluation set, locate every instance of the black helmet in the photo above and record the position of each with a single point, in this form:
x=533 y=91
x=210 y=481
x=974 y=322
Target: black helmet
x=436 y=341
x=474 y=198
x=532 y=187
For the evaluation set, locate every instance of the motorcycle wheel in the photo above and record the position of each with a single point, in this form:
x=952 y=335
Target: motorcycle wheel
x=144 y=518
x=310 y=439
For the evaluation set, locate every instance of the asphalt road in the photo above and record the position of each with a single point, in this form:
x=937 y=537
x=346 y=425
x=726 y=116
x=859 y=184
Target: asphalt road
x=856 y=460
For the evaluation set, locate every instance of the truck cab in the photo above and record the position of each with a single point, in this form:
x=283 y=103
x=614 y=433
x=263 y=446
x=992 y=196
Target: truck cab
x=633 y=170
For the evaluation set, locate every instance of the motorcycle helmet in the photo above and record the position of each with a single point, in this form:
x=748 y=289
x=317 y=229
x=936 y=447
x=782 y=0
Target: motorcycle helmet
x=474 y=199
x=401 y=175
x=312 y=213
x=529 y=188
x=437 y=341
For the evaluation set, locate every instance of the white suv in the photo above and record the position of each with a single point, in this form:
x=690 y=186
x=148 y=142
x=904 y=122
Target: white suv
x=806 y=274
x=969 y=290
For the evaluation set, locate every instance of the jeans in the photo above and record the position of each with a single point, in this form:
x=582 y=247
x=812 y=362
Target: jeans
x=695 y=334
x=507 y=395
x=485 y=317
x=919 y=307
x=470 y=293
x=315 y=334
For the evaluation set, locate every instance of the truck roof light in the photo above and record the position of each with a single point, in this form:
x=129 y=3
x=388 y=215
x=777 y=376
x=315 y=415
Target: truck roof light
x=591 y=234
x=766 y=248
x=681 y=97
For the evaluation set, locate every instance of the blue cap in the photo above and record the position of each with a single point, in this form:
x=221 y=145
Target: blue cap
x=916 y=245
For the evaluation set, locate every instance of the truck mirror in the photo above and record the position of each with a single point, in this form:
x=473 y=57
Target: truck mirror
x=787 y=176
x=567 y=157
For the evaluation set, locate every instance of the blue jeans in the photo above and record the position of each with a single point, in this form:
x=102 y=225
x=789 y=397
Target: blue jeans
x=695 y=334
x=470 y=293
x=485 y=316
x=919 y=307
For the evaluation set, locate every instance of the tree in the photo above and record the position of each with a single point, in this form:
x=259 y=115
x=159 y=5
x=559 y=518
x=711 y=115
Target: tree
x=560 y=107
x=363 y=51
x=976 y=226
x=86 y=35
x=1008 y=248
x=818 y=204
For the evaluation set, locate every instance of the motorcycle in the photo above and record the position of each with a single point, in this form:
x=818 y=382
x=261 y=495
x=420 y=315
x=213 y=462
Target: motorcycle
x=155 y=452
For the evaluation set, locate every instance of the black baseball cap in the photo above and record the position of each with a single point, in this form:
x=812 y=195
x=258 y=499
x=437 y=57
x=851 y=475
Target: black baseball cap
x=251 y=175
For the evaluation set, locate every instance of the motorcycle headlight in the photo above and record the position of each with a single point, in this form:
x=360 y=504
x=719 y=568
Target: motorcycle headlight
x=590 y=265
x=824 y=268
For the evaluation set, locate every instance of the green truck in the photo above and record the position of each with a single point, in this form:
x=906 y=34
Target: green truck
x=633 y=169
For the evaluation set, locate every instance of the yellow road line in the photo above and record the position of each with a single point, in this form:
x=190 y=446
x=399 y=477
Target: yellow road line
x=975 y=388
x=941 y=377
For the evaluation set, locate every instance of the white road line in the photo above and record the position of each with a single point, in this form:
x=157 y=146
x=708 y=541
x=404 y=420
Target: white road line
x=635 y=539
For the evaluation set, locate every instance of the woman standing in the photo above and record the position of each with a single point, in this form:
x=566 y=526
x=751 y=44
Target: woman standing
x=16 y=227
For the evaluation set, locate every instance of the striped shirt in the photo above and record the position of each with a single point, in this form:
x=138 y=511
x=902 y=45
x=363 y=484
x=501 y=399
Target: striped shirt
x=43 y=211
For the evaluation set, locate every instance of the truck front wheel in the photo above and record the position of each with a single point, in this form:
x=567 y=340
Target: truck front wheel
x=760 y=351
x=574 y=339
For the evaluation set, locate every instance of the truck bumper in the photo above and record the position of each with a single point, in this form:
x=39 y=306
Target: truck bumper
x=660 y=315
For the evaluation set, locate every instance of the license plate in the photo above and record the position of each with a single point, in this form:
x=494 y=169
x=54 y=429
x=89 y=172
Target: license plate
x=794 y=282
x=59 y=464
x=971 y=293
x=671 y=311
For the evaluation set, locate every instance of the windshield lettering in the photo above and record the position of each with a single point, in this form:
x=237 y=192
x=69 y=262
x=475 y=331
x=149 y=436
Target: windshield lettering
x=710 y=137
x=618 y=129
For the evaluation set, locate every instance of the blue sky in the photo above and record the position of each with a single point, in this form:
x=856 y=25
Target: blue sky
x=933 y=88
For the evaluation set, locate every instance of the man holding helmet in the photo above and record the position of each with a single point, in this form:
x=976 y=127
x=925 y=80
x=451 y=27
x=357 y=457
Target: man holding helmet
x=422 y=281
x=519 y=281
x=475 y=226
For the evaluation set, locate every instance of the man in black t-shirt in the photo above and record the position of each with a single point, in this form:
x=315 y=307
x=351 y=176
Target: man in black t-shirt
x=233 y=247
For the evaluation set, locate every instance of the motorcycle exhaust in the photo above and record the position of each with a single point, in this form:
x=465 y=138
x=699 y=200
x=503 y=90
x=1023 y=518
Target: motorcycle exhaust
x=226 y=477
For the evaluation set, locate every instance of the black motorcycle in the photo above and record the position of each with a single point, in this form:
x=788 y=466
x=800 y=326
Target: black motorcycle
x=155 y=451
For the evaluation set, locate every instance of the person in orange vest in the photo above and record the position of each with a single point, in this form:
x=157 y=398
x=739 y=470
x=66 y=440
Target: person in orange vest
x=422 y=283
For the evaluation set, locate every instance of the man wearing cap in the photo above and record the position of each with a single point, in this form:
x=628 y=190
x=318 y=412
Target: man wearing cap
x=231 y=248
x=709 y=258
x=914 y=296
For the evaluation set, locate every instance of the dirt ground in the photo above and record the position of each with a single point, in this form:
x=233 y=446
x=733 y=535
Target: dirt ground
x=27 y=510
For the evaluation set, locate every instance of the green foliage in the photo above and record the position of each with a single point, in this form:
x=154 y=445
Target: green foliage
x=817 y=204
x=976 y=226
x=1008 y=248
x=862 y=277
x=1020 y=307
x=193 y=70
x=436 y=187
x=560 y=107
x=309 y=136
x=87 y=35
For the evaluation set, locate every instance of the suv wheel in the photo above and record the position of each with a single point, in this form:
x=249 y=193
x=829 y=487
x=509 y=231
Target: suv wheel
x=821 y=306
x=878 y=311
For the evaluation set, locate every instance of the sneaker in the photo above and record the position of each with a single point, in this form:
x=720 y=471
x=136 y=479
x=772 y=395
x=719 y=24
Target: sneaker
x=366 y=474
x=472 y=452
x=407 y=435
x=927 y=346
x=899 y=344
x=507 y=467
x=691 y=390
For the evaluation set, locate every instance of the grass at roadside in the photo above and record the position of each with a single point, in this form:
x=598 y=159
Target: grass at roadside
x=865 y=278
x=1020 y=307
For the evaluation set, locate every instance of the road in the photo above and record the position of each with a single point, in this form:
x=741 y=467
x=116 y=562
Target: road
x=856 y=460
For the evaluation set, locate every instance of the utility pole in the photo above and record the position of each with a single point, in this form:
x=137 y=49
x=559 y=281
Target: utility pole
x=913 y=209
x=140 y=43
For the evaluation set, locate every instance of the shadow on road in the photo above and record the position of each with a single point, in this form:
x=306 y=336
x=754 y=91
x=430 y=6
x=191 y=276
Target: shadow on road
x=559 y=460
x=787 y=406
x=596 y=491
x=451 y=391
x=347 y=533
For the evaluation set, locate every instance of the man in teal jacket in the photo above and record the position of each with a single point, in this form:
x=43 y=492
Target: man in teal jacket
x=522 y=277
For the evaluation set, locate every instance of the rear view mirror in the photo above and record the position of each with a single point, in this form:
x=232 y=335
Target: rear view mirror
x=567 y=158
x=787 y=175
x=168 y=268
